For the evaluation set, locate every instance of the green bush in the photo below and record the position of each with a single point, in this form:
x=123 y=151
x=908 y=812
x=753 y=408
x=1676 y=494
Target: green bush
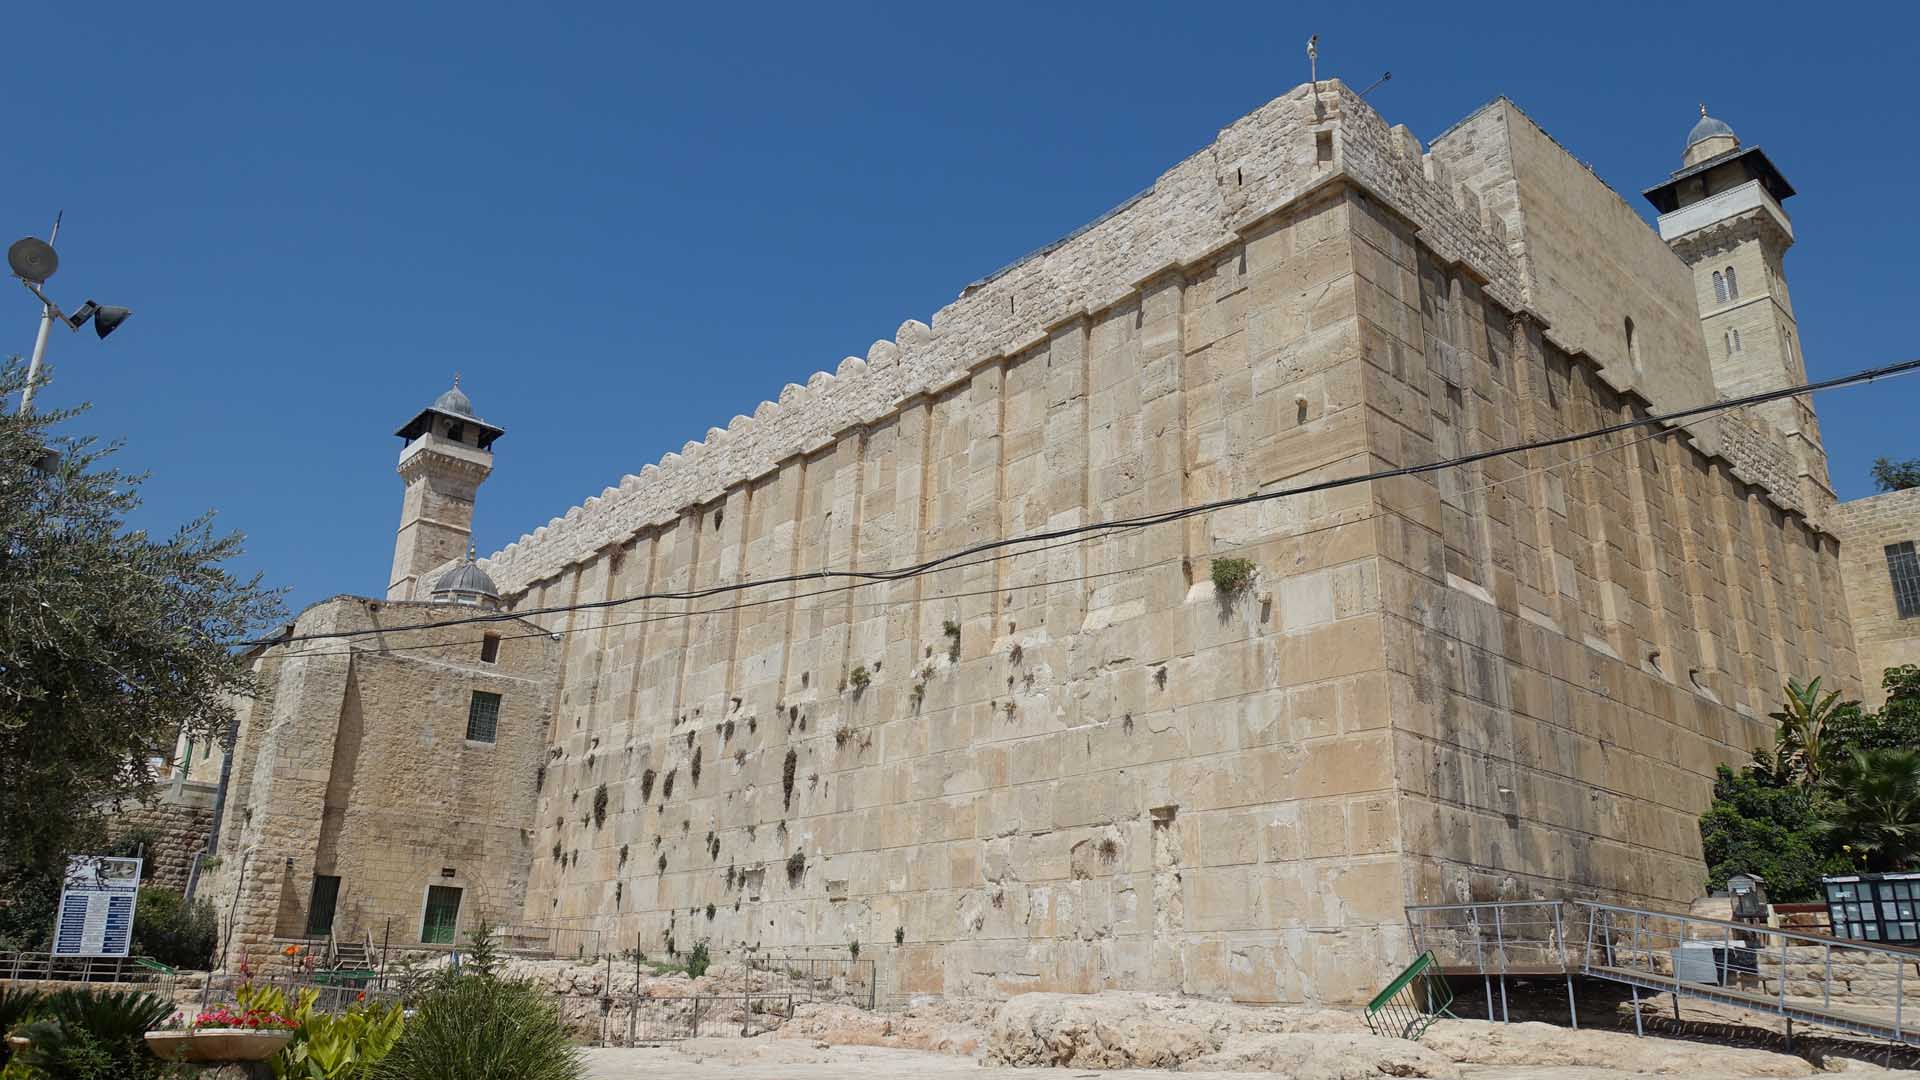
x=173 y=932
x=1760 y=823
x=698 y=960
x=483 y=1029
x=17 y=1006
x=83 y=1035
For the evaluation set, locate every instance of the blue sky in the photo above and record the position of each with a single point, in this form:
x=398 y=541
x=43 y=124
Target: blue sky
x=626 y=223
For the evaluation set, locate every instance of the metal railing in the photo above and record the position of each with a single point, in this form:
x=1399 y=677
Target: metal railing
x=1495 y=940
x=1846 y=985
x=834 y=980
x=41 y=966
x=664 y=1019
x=556 y=942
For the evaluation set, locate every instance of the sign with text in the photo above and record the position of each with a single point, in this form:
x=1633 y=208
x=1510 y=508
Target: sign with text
x=96 y=906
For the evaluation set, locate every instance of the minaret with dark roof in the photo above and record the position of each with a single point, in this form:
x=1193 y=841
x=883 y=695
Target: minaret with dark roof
x=1723 y=212
x=448 y=452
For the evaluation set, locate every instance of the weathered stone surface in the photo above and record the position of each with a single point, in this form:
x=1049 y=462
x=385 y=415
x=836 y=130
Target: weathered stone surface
x=1325 y=1057
x=1129 y=1030
x=1543 y=1045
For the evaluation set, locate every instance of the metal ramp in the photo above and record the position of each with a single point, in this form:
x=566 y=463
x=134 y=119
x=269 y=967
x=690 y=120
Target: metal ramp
x=1855 y=987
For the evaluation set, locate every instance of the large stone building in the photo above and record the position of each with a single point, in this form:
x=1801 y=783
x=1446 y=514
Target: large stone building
x=1076 y=763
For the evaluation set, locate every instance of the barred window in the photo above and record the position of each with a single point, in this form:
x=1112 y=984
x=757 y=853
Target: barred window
x=1733 y=285
x=1903 y=566
x=1719 y=288
x=483 y=716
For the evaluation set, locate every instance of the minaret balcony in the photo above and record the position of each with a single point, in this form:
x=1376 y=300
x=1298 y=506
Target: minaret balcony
x=1726 y=205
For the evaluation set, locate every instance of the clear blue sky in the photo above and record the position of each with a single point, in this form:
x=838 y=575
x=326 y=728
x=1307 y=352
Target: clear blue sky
x=626 y=223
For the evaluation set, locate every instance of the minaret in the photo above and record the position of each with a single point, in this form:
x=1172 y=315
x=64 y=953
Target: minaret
x=448 y=452
x=1722 y=214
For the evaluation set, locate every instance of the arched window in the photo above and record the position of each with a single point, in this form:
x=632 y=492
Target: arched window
x=1733 y=285
x=1733 y=342
x=1719 y=288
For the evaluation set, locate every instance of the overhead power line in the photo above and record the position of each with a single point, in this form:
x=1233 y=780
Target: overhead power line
x=1098 y=529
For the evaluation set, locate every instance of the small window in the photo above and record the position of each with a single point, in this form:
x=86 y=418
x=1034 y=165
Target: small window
x=456 y=431
x=1733 y=285
x=483 y=716
x=1719 y=288
x=490 y=649
x=1903 y=566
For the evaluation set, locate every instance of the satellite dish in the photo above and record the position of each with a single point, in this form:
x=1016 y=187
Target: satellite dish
x=32 y=259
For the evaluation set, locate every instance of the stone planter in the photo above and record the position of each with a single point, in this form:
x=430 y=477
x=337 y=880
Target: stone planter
x=217 y=1044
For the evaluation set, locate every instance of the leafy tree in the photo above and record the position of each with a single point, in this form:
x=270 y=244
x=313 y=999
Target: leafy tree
x=1890 y=475
x=1873 y=811
x=1769 y=818
x=1763 y=823
x=112 y=642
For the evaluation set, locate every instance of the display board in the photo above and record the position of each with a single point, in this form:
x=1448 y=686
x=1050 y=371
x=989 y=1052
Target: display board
x=96 y=906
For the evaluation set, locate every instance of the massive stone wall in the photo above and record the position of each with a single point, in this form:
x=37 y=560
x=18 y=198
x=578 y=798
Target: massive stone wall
x=1866 y=527
x=1077 y=766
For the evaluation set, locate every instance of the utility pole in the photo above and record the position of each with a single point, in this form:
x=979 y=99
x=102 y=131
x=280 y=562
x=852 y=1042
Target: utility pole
x=40 y=341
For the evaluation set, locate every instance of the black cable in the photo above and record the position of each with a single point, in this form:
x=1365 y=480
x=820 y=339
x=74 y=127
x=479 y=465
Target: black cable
x=1095 y=530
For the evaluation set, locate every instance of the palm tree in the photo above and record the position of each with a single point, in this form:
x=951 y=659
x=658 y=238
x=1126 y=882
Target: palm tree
x=1872 y=807
x=1803 y=726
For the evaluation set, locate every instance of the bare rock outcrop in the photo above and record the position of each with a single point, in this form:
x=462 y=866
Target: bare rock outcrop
x=1477 y=1042
x=1117 y=1030
x=1324 y=1056
x=943 y=1027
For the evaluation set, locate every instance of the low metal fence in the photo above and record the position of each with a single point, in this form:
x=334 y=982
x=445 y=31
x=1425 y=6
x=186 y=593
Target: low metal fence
x=47 y=967
x=833 y=980
x=554 y=942
x=666 y=1019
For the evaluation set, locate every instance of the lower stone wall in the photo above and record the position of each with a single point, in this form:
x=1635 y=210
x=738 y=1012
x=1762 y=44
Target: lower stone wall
x=175 y=826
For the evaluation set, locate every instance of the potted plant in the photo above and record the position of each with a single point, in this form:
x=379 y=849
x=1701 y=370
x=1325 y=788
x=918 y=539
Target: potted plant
x=254 y=1033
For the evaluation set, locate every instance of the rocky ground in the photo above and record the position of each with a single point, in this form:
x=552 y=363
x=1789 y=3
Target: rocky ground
x=1119 y=1035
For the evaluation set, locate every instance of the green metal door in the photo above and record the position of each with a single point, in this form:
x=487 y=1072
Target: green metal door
x=443 y=914
x=326 y=894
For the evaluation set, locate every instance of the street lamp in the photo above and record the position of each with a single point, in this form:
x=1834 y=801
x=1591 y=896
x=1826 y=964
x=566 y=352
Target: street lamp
x=33 y=261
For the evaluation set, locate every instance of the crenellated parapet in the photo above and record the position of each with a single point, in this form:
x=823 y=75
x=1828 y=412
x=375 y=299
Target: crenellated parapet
x=1293 y=146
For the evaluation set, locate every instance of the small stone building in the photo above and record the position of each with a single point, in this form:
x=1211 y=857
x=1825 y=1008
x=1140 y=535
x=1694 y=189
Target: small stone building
x=1880 y=558
x=1078 y=764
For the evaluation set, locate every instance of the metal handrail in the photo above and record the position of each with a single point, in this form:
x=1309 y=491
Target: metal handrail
x=1486 y=904
x=1760 y=928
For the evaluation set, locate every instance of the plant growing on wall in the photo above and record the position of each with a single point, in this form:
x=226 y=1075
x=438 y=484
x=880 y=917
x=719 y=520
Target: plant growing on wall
x=600 y=806
x=693 y=769
x=666 y=784
x=1231 y=576
x=786 y=778
x=623 y=854
x=899 y=935
x=796 y=868
x=952 y=630
x=663 y=862
x=859 y=679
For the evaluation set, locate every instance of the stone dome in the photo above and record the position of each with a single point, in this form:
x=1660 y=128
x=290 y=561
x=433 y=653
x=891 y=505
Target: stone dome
x=1709 y=127
x=455 y=401
x=467 y=584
